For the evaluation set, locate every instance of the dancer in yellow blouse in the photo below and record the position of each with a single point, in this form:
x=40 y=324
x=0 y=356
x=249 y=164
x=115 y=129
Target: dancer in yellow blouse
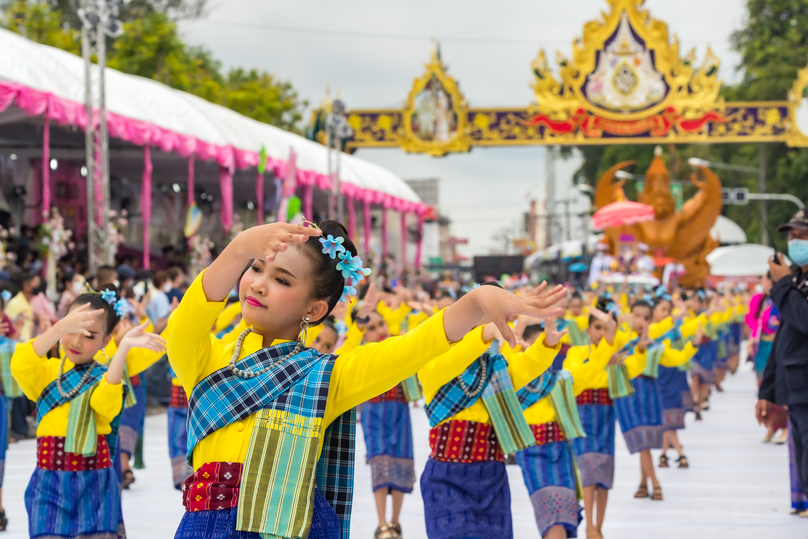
x=264 y=400
x=74 y=491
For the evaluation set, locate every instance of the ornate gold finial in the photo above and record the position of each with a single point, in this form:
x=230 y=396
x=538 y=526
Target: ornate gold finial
x=435 y=58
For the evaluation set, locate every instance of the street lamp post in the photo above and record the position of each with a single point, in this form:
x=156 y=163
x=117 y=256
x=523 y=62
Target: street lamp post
x=97 y=22
x=337 y=130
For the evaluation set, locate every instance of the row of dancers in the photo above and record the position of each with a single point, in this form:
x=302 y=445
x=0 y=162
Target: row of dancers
x=265 y=393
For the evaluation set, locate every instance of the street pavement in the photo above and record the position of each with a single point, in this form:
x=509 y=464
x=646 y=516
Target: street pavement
x=736 y=487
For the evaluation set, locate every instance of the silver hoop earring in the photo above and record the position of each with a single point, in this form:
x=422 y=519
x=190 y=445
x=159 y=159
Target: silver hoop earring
x=304 y=330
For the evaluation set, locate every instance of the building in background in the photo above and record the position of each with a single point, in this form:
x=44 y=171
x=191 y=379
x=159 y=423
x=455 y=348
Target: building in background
x=439 y=246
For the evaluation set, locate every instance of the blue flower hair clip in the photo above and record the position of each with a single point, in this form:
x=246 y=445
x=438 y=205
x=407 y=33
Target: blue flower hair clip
x=612 y=307
x=332 y=246
x=108 y=296
x=647 y=298
x=351 y=267
x=347 y=292
x=122 y=307
x=6 y=295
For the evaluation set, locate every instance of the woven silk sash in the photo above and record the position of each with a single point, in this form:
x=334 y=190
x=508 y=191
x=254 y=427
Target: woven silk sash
x=81 y=436
x=652 y=359
x=412 y=389
x=562 y=398
x=50 y=398
x=282 y=465
x=619 y=382
x=506 y=414
x=10 y=387
x=131 y=400
x=485 y=378
x=536 y=389
x=577 y=337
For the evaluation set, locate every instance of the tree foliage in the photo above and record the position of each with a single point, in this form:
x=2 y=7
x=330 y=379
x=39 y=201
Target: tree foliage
x=152 y=47
x=773 y=45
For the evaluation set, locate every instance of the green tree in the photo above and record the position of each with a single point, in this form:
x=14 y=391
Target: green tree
x=773 y=47
x=260 y=96
x=39 y=22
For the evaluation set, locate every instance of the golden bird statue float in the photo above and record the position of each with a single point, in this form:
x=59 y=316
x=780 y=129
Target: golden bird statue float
x=683 y=236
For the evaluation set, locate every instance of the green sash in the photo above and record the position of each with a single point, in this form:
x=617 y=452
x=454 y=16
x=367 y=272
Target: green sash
x=10 y=387
x=81 y=433
x=652 y=359
x=412 y=389
x=562 y=399
x=577 y=337
x=619 y=382
x=130 y=400
x=503 y=407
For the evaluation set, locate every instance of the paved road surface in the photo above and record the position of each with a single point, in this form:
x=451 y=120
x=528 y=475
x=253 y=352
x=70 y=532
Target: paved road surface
x=736 y=487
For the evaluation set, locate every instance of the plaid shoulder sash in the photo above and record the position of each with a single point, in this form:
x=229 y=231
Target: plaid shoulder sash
x=486 y=378
x=537 y=389
x=558 y=387
x=282 y=463
x=50 y=398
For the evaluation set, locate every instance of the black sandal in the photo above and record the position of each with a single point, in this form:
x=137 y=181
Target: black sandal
x=663 y=461
x=3 y=521
x=128 y=479
x=683 y=462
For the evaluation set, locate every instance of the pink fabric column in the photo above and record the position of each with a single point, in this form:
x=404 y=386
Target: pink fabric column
x=420 y=241
x=384 y=233
x=146 y=203
x=366 y=212
x=191 y=197
x=259 y=195
x=308 y=196
x=46 y=187
x=403 y=241
x=226 y=191
x=351 y=217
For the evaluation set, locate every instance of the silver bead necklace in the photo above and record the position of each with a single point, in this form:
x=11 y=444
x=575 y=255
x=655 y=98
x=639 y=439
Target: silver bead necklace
x=480 y=384
x=252 y=374
x=68 y=395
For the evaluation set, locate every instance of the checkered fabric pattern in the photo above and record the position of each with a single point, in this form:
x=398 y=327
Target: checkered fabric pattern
x=450 y=399
x=50 y=398
x=536 y=390
x=298 y=386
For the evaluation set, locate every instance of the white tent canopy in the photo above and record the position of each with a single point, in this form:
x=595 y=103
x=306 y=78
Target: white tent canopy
x=171 y=113
x=748 y=259
x=726 y=230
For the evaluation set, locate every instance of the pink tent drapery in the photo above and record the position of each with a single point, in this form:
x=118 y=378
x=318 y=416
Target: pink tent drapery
x=259 y=196
x=46 y=187
x=384 y=233
x=367 y=223
x=308 y=200
x=146 y=204
x=226 y=191
x=191 y=196
x=351 y=216
x=403 y=241
x=420 y=240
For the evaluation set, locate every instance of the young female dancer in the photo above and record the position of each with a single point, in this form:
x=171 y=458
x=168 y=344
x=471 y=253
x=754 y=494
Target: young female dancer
x=271 y=424
x=386 y=427
x=74 y=491
x=474 y=413
x=548 y=467
x=640 y=414
x=595 y=452
x=701 y=377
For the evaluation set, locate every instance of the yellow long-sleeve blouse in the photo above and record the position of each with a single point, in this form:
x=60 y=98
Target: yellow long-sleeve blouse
x=34 y=373
x=357 y=376
x=587 y=365
x=523 y=367
x=393 y=318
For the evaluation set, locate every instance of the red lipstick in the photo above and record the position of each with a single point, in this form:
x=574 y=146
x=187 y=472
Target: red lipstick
x=254 y=302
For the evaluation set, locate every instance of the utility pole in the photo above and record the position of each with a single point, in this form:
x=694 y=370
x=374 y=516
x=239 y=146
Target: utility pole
x=549 y=164
x=764 y=217
x=97 y=22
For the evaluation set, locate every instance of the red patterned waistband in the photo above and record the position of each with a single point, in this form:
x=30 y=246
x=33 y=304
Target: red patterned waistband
x=594 y=396
x=547 y=433
x=51 y=455
x=178 y=397
x=214 y=485
x=137 y=380
x=464 y=441
x=396 y=395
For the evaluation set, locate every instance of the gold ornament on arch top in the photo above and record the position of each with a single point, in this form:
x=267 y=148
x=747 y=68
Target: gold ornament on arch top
x=435 y=115
x=797 y=134
x=625 y=68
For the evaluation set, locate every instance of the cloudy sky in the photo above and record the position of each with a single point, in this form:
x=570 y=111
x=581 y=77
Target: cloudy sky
x=487 y=48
